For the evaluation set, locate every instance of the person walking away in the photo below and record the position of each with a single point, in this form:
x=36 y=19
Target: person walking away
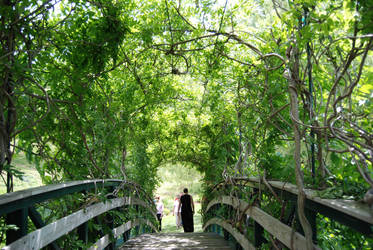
x=187 y=211
x=160 y=208
x=176 y=211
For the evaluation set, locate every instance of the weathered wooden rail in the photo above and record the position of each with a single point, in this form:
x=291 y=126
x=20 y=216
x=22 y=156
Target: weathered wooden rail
x=19 y=206
x=353 y=214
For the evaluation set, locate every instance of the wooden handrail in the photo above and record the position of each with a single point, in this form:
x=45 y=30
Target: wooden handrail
x=351 y=213
x=281 y=231
x=19 y=206
x=353 y=208
x=49 y=233
x=240 y=238
x=25 y=198
x=118 y=231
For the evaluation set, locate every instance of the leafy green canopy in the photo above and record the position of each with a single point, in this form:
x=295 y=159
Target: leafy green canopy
x=114 y=89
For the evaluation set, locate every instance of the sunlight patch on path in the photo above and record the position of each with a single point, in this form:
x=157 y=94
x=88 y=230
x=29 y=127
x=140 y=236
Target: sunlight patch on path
x=178 y=241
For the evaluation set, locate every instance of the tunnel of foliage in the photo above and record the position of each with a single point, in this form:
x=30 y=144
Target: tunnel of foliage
x=116 y=88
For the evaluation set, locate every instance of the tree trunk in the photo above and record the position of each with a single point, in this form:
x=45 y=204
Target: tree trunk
x=298 y=171
x=8 y=112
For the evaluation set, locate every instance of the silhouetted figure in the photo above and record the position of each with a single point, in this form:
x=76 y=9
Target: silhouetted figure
x=187 y=211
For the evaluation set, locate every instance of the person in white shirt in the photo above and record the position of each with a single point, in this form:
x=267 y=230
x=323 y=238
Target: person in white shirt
x=160 y=207
x=176 y=211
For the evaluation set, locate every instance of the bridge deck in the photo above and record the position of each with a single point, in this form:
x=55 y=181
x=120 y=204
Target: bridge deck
x=178 y=241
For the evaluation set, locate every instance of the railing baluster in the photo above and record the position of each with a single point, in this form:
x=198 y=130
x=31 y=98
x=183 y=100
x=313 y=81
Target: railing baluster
x=18 y=218
x=126 y=235
x=311 y=217
x=17 y=207
x=258 y=234
x=258 y=229
x=110 y=219
x=225 y=234
x=83 y=232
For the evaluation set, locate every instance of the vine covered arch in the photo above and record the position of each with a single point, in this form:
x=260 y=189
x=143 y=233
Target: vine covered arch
x=281 y=90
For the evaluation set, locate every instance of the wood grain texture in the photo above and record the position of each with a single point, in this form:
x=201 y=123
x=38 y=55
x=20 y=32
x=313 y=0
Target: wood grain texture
x=240 y=238
x=49 y=233
x=22 y=194
x=118 y=231
x=281 y=231
x=353 y=208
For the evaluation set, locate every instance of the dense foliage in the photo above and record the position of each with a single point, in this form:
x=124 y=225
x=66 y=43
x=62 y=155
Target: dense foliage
x=116 y=88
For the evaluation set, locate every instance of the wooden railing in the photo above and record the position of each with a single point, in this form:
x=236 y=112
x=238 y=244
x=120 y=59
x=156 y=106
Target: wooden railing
x=353 y=214
x=19 y=206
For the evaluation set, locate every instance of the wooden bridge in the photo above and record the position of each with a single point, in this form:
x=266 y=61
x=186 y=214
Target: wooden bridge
x=112 y=214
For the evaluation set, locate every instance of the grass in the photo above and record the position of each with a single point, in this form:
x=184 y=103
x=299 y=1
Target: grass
x=174 y=178
x=169 y=223
x=31 y=177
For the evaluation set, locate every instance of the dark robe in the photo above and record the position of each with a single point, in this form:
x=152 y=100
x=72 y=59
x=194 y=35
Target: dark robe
x=187 y=213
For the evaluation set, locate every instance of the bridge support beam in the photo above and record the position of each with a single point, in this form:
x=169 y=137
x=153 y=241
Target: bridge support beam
x=126 y=235
x=110 y=220
x=258 y=235
x=258 y=229
x=83 y=232
x=18 y=218
x=311 y=217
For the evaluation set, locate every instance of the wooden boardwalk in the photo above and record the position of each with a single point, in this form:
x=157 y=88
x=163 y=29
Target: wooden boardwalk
x=178 y=241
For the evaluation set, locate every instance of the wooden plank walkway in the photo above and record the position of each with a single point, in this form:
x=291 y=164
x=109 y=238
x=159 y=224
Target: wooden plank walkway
x=168 y=241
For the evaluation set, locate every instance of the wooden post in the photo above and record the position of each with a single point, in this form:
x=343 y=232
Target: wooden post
x=18 y=218
x=110 y=219
x=311 y=217
x=137 y=228
x=126 y=235
x=83 y=228
x=258 y=229
x=226 y=234
x=96 y=233
x=258 y=235
x=83 y=232
x=290 y=213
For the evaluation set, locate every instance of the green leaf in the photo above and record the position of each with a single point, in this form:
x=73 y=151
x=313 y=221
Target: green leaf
x=14 y=171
